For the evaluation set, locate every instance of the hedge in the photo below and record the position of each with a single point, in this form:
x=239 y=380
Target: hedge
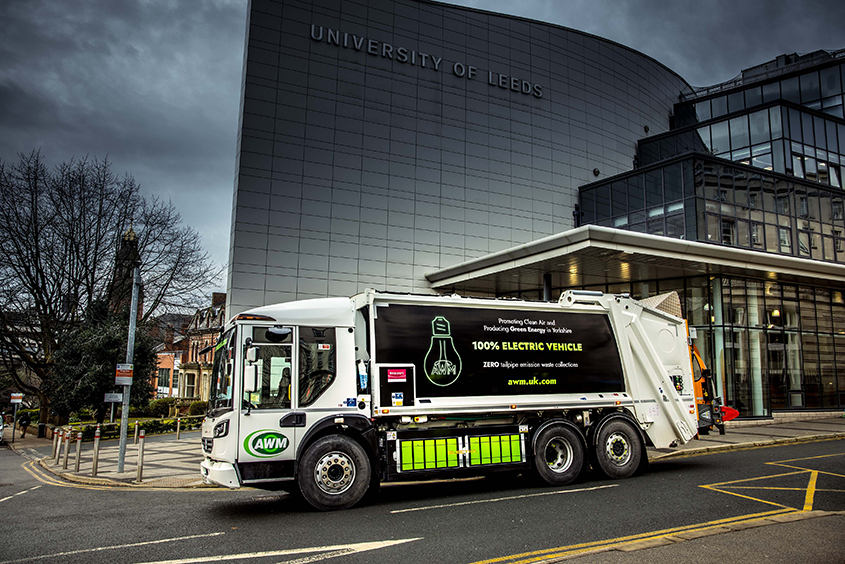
x=150 y=427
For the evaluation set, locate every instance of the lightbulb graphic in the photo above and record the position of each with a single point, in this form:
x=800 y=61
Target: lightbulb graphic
x=442 y=362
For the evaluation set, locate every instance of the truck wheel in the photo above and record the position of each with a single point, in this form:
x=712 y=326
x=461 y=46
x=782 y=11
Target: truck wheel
x=558 y=455
x=334 y=473
x=618 y=449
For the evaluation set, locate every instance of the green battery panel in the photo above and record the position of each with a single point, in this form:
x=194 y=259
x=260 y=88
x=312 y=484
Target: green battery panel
x=432 y=454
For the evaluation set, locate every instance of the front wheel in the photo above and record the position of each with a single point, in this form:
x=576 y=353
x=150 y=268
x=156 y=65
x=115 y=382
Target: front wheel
x=334 y=473
x=558 y=455
x=618 y=449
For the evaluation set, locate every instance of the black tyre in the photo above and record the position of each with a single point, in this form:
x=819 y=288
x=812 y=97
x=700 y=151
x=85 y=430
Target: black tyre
x=558 y=455
x=618 y=449
x=334 y=473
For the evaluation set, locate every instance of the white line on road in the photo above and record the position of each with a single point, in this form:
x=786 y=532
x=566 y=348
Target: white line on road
x=500 y=499
x=19 y=493
x=317 y=557
x=335 y=550
x=99 y=548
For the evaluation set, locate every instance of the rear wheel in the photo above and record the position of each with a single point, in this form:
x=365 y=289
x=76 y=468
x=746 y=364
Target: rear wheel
x=618 y=449
x=334 y=473
x=558 y=455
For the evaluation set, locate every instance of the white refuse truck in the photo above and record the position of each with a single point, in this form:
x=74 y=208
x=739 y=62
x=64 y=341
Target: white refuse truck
x=332 y=396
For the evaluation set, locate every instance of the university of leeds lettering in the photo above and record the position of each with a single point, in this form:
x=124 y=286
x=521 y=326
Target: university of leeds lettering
x=418 y=58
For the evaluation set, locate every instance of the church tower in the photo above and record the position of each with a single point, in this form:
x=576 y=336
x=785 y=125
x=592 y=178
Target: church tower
x=127 y=258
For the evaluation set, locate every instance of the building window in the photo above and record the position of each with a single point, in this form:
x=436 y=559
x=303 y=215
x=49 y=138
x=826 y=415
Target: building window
x=190 y=385
x=728 y=232
x=757 y=235
x=783 y=239
x=163 y=377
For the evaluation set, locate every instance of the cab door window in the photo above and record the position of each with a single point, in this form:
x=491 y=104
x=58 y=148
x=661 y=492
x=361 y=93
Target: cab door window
x=274 y=378
x=317 y=362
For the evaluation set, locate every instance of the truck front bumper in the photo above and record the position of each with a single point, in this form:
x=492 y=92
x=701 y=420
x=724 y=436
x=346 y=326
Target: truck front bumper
x=219 y=473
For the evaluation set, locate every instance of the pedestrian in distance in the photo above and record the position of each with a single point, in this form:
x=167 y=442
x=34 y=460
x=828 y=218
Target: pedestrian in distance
x=24 y=423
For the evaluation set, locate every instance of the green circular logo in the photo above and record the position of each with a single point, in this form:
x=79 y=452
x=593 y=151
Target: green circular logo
x=265 y=443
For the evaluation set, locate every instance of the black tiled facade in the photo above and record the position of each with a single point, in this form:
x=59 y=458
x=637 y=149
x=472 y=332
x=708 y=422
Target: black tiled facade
x=380 y=140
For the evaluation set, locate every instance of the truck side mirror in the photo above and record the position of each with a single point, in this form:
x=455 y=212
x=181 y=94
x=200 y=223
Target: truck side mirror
x=252 y=354
x=250 y=378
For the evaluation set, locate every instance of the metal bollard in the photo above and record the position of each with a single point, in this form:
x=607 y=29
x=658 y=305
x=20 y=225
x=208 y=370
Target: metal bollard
x=136 y=432
x=58 y=452
x=67 y=449
x=55 y=443
x=140 y=457
x=96 y=451
x=78 y=452
x=178 y=427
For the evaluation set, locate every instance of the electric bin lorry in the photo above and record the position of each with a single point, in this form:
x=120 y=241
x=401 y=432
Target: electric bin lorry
x=332 y=396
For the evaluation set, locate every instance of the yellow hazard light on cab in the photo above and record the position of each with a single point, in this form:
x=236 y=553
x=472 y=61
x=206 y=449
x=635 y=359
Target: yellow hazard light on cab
x=513 y=406
x=618 y=402
x=692 y=411
x=250 y=317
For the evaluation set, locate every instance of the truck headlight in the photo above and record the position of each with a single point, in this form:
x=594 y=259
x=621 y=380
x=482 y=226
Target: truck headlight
x=221 y=429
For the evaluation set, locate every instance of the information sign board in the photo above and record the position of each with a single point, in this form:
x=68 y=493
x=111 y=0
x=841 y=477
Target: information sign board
x=123 y=376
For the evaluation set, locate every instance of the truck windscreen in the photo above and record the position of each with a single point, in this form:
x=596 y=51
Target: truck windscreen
x=220 y=394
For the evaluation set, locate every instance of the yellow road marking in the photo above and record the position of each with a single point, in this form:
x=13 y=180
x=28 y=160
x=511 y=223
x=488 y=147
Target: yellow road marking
x=782 y=489
x=42 y=476
x=748 y=497
x=537 y=555
x=808 y=458
x=803 y=470
x=811 y=491
x=45 y=477
x=722 y=487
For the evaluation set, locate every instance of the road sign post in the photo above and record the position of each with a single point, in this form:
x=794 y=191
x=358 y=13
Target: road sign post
x=17 y=399
x=130 y=352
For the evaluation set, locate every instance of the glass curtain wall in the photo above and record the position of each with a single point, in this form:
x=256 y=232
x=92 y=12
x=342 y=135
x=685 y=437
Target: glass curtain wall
x=712 y=201
x=817 y=89
x=771 y=346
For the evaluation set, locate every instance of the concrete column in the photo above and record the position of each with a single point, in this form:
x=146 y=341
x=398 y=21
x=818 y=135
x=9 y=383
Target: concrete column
x=718 y=336
x=754 y=352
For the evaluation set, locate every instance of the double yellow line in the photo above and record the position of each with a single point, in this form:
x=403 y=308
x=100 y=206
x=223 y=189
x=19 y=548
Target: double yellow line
x=45 y=477
x=618 y=542
x=34 y=469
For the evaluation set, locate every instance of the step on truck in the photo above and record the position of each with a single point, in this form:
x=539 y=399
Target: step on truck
x=330 y=397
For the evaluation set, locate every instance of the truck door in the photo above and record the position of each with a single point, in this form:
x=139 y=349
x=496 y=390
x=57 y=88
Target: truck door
x=269 y=426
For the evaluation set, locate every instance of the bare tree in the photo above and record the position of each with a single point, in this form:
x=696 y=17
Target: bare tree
x=59 y=235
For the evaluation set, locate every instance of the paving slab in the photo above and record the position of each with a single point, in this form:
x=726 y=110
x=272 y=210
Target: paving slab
x=832 y=425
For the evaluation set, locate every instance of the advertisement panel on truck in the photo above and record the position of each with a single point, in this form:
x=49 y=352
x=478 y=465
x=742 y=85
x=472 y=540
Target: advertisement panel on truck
x=471 y=352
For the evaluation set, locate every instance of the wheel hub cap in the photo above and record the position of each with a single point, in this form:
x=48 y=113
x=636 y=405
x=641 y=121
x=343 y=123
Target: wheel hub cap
x=334 y=473
x=617 y=449
x=558 y=455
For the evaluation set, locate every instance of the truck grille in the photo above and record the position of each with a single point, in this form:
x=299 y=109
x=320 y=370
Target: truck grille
x=207 y=445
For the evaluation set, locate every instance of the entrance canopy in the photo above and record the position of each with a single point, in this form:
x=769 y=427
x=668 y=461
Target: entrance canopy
x=592 y=255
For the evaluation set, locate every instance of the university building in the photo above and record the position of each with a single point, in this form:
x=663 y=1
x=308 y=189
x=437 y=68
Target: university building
x=416 y=146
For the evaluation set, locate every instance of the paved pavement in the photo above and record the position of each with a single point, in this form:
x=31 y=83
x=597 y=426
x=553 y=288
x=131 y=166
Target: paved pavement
x=169 y=463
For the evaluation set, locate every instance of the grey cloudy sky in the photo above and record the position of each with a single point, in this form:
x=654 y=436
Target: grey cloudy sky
x=154 y=84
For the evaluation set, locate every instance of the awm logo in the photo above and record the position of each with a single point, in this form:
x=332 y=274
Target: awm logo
x=265 y=443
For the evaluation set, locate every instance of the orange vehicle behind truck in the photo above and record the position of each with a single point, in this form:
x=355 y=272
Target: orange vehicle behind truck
x=711 y=413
